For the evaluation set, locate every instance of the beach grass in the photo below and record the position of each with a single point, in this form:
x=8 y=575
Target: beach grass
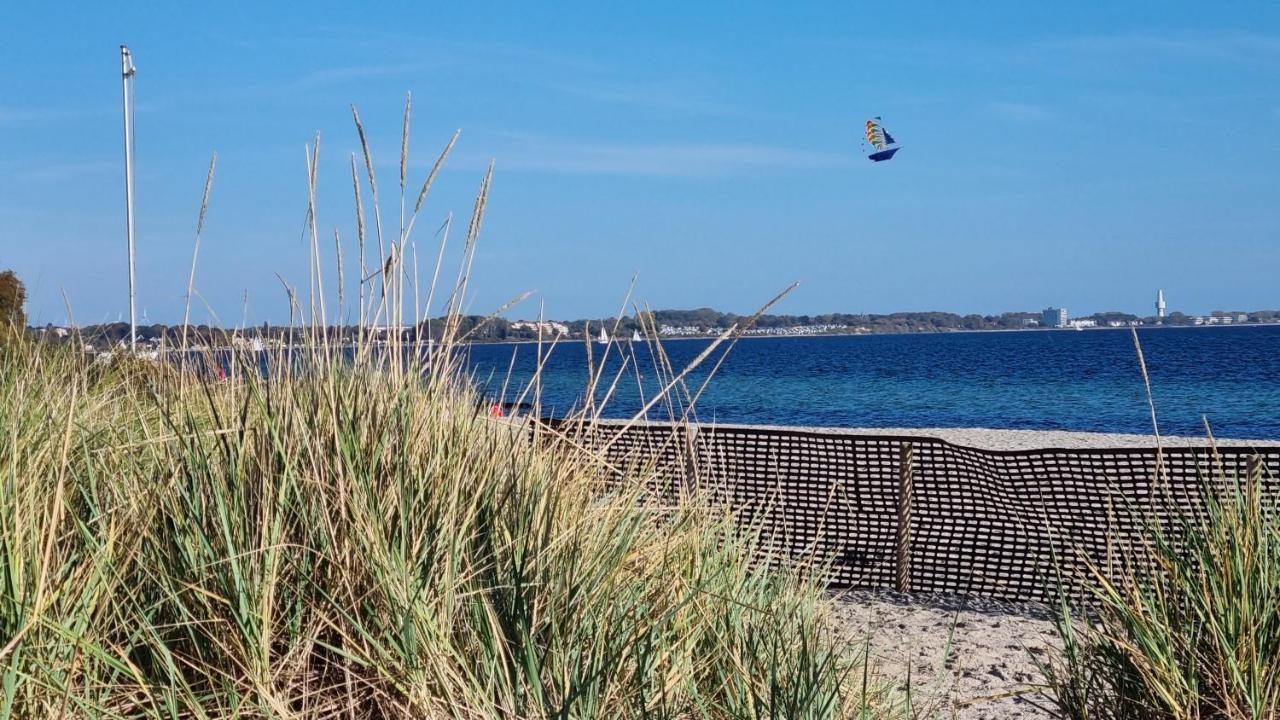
x=347 y=532
x=1194 y=630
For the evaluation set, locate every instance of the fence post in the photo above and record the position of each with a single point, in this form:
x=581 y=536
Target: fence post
x=1253 y=472
x=690 y=482
x=906 y=492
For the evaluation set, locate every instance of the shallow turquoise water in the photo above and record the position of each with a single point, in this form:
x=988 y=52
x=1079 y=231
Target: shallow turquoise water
x=1033 y=380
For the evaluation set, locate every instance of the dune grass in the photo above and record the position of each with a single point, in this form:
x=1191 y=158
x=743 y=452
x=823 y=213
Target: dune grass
x=1195 y=631
x=337 y=544
x=351 y=535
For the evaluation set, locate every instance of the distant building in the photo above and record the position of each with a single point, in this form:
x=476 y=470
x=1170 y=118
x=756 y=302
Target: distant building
x=1160 y=305
x=252 y=344
x=544 y=327
x=1084 y=323
x=1054 y=317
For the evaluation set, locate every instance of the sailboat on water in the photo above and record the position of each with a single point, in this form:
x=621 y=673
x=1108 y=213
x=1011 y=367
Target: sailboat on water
x=603 y=338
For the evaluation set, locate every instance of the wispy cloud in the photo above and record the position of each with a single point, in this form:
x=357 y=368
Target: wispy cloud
x=655 y=95
x=540 y=154
x=491 y=58
x=1020 y=111
x=59 y=172
x=1199 y=46
x=11 y=116
x=1068 y=54
x=351 y=73
x=580 y=77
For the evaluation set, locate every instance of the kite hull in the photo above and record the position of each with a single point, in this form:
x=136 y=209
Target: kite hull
x=880 y=155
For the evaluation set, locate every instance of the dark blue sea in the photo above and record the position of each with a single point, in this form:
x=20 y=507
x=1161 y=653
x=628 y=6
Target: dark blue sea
x=1059 y=380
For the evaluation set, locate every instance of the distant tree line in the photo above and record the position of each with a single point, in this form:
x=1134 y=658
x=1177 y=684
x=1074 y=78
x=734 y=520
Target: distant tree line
x=860 y=322
x=479 y=328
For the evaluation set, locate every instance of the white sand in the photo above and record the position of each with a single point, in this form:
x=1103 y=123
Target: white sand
x=1034 y=439
x=969 y=658
x=993 y=439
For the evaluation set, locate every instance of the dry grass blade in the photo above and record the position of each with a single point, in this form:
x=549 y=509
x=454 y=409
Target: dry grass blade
x=195 y=250
x=431 y=178
x=1151 y=404
x=337 y=254
x=355 y=187
x=693 y=401
x=373 y=190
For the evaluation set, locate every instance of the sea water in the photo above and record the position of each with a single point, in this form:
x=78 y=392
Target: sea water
x=1060 y=380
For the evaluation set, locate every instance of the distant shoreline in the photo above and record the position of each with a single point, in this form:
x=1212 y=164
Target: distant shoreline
x=788 y=336
x=792 y=336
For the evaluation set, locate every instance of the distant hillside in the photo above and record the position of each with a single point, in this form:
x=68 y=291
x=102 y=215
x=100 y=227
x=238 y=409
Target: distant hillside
x=670 y=323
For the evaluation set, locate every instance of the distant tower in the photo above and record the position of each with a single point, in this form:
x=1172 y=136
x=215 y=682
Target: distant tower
x=1160 y=304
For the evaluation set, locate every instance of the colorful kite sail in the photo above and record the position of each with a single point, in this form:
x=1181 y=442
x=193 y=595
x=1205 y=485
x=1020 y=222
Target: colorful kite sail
x=881 y=142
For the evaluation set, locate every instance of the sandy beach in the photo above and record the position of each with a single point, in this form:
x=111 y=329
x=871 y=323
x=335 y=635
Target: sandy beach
x=997 y=439
x=967 y=658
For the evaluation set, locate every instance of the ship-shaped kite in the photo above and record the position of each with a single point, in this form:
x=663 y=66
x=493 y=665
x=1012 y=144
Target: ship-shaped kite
x=882 y=143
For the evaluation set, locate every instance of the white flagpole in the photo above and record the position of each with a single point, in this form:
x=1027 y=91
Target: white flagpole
x=127 y=71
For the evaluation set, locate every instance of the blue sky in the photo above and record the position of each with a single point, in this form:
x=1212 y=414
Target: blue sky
x=1079 y=156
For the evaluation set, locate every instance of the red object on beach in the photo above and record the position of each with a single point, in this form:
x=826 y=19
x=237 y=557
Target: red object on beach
x=495 y=410
x=222 y=374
